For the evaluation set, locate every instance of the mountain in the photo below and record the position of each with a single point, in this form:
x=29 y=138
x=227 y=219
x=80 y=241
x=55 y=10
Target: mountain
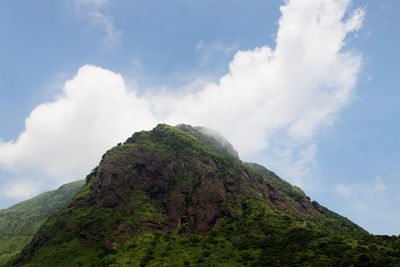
x=180 y=196
x=19 y=223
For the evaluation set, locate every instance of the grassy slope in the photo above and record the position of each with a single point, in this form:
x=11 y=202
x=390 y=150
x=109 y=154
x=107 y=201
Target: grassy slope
x=20 y=222
x=260 y=236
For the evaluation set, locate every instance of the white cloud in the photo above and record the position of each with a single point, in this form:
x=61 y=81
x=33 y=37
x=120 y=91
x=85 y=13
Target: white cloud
x=64 y=139
x=283 y=94
x=271 y=101
x=93 y=11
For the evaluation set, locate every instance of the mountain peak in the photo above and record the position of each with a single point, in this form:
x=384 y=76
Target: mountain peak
x=212 y=138
x=180 y=195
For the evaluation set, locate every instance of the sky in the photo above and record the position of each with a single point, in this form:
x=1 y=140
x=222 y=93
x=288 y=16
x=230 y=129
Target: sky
x=308 y=88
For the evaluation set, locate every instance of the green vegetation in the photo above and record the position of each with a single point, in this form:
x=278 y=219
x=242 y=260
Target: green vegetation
x=211 y=139
x=20 y=222
x=292 y=191
x=170 y=140
x=259 y=237
x=177 y=196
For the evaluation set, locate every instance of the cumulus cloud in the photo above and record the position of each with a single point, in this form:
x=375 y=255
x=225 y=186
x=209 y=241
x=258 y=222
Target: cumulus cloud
x=64 y=139
x=272 y=100
x=93 y=11
x=286 y=93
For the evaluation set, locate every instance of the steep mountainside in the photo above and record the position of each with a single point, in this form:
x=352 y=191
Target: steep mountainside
x=179 y=196
x=20 y=222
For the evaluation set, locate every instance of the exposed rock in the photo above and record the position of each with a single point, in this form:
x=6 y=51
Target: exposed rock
x=126 y=228
x=108 y=245
x=90 y=243
x=168 y=187
x=122 y=239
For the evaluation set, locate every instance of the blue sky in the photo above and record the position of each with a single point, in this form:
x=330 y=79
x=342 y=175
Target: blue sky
x=328 y=124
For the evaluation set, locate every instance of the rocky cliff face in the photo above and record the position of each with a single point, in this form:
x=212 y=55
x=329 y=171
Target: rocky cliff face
x=183 y=180
x=189 y=190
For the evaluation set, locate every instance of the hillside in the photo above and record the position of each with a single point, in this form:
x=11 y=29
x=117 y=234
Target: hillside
x=181 y=196
x=20 y=222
